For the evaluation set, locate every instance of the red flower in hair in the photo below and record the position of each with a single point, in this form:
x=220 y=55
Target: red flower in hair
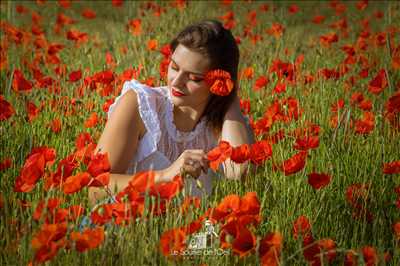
x=220 y=82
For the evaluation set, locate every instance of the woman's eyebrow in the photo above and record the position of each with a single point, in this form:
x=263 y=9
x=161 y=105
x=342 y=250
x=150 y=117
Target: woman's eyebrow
x=196 y=73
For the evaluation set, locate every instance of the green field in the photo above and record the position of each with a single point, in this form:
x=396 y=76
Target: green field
x=331 y=67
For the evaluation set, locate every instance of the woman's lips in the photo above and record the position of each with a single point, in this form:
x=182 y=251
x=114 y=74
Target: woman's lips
x=177 y=93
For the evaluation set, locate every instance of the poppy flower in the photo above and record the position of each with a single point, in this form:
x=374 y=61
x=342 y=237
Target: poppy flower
x=88 y=239
x=48 y=240
x=229 y=204
x=370 y=256
x=32 y=110
x=75 y=211
x=301 y=226
x=244 y=242
x=88 y=13
x=75 y=76
x=55 y=125
x=270 y=249
x=350 y=258
x=135 y=27
x=311 y=250
x=76 y=183
x=318 y=181
x=99 y=164
x=378 y=83
x=100 y=180
x=5 y=164
x=82 y=140
x=318 y=19
x=276 y=30
x=167 y=190
x=249 y=204
x=142 y=181
x=295 y=163
x=20 y=83
x=6 y=109
x=220 y=82
x=366 y=124
x=173 y=242
x=92 y=120
x=392 y=167
x=260 y=152
x=102 y=214
x=306 y=143
x=31 y=172
x=328 y=247
x=219 y=154
x=241 y=153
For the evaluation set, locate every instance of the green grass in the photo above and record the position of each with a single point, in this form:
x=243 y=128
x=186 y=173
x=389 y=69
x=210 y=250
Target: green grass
x=349 y=158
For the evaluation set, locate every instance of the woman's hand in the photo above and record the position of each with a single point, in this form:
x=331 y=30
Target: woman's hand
x=190 y=162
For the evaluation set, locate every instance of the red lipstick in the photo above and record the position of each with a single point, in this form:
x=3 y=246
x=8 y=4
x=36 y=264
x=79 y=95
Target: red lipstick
x=177 y=93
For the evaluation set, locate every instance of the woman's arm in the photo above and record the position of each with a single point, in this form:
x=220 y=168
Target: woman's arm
x=119 y=140
x=236 y=131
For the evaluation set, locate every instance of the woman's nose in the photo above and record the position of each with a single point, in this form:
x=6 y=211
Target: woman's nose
x=179 y=80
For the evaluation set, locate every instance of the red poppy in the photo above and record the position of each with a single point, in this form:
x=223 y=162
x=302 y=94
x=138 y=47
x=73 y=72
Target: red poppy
x=135 y=27
x=76 y=183
x=117 y=3
x=219 y=154
x=260 y=83
x=89 y=239
x=328 y=39
x=6 y=109
x=32 y=110
x=311 y=250
x=318 y=181
x=260 y=152
x=229 y=204
x=142 y=181
x=293 y=9
x=5 y=164
x=219 y=81
x=31 y=172
x=295 y=163
x=328 y=248
x=301 y=226
x=172 y=242
x=306 y=143
x=241 y=153
x=100 y=180
x=48 y=241
x=249 y=204
x=75 y=76
x=102 y=214
x=244 y=242
x=366 y=124
x=350 y=258
x=92 y=120
x=88 y=13
x=276 y=30
x=370 y=256
x=392 y=167
x=167 y=190
x=378 y=83
x=270 y=249
x=55 y=125
x=20 y=83
x=396 y=230
x=318 y=19
x=82 y=140
x=99 y=164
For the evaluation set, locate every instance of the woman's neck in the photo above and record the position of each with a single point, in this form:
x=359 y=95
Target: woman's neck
x=186 y=118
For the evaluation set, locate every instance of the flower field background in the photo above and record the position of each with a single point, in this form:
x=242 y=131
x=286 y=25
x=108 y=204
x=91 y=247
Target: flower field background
x=319 y=81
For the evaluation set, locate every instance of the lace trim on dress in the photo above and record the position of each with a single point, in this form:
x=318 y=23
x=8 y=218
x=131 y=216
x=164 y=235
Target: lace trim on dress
x=175 y=134
x=148 y=112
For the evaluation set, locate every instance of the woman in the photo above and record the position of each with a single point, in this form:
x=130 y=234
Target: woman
x=170 y=129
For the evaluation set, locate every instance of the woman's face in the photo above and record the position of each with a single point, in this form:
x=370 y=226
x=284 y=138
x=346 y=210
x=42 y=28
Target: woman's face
x=186 y=78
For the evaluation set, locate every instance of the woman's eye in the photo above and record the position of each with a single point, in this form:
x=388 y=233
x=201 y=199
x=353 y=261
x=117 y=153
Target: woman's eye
x=195 y=79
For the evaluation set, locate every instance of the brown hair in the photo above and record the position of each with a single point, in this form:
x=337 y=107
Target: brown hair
x=211 y=39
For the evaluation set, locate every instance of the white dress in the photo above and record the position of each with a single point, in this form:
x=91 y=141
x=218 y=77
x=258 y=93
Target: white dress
x=163 y=143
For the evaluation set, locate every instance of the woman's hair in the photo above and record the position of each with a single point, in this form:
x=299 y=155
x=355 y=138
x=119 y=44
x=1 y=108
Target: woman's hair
x=211 y=39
